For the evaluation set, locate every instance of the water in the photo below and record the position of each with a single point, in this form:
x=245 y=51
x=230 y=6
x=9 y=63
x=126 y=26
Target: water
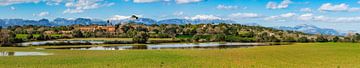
x=72 y=41
x=169 y=46
x=23 y=54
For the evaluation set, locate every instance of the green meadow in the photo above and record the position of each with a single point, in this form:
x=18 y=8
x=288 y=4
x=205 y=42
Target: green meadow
x=24 y=36
x=299 y=55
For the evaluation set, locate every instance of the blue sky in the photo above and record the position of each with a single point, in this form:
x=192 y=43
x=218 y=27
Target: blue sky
x=342 y=15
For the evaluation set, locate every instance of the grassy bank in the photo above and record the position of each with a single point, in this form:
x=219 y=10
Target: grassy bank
x=301 y=55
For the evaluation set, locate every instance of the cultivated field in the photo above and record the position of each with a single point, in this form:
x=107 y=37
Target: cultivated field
x=300 y=55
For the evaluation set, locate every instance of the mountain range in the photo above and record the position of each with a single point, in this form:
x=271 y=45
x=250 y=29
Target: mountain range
x=311 y=29
x=85 y=21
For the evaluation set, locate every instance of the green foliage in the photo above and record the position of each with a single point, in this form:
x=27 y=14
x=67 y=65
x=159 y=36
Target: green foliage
x=303 y=39
x=336 y=39
x=78 y=34
x=321 y=39
x=160 y=35
x=246 y=34
x=233 y=38
x=184 y=36
x=141 y=37
x=201 y=37
x=193 y=32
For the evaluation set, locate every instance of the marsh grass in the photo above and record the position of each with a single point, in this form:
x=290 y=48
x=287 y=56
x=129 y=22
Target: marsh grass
x=299 y=55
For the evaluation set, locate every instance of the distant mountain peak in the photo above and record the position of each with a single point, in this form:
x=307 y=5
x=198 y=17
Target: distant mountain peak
x=311 y=29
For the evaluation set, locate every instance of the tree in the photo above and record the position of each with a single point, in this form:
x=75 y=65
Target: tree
x=303 y=39
x=30 y=37
x=321 y=39
x=78 y=34
x=141 y=37
x=7 y=38
x=356 y=37
x=41 y=37
x=273 y=39
x=336 y=39
x=219 y=37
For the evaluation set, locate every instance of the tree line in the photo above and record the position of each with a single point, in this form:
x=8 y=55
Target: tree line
x=186 y=33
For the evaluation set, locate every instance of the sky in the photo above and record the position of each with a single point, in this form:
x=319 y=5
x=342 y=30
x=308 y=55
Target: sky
x=342 y=15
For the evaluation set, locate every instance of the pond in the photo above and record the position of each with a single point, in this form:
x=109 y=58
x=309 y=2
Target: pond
x=169 y=46
x=59 y=41
x=24 y=54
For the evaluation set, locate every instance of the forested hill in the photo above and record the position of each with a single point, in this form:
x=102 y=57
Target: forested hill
x=184 y=32
x=149 y=21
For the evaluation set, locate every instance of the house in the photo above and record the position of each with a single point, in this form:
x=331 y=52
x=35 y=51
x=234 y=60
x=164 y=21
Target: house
x=65 y=32
x=106 y=28
x=93 y=28
x=49 y=32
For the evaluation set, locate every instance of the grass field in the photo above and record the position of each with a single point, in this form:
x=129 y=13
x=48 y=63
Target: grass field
x=300 y=55
x=23 y=36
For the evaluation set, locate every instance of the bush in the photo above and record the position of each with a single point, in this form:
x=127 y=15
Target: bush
x=232 y=38
x=201 y=37
x=218 y=37
x=141 y=37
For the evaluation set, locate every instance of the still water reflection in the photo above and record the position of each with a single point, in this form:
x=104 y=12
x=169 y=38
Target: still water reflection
x=169 y=46
x=23 y=53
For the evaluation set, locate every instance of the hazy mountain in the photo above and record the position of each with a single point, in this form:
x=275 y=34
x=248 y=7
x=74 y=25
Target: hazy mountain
x=213 y=21
x=82 y=21
x=149 y=21
x=62 y=21
x=174 y=21
x=13 y=22
x=2 y=23
x=195 y=21
x=251 y=24
x=311 y=29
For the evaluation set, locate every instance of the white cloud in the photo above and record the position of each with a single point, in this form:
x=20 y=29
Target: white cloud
x=187 y=1
x=282 y=5
x=145 y=1
x=73 y=11
x=227 y=7
x=330 y=7
x=176 y=1
x=178 y=13
x=288 y=15
x=73 y=6
x=306 y=10
x=11 y=2
x=244 y=15
x=12 y=8
x=336 y=8
x=309 y=17
x=53 y=2
x=354 y=9
x=327 y=19
x=306 y=17
x=81 y=5
x=119 y=17
x=281 y=16
x=204 y=17
x=41 y=14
